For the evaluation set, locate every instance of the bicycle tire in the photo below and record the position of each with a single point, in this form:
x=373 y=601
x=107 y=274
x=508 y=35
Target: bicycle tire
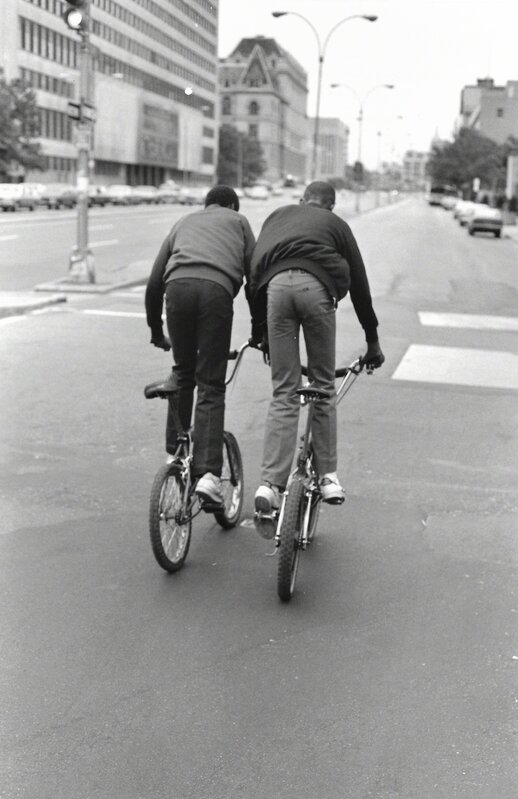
x=170 y=540
x=289 y=550
x=232 y=483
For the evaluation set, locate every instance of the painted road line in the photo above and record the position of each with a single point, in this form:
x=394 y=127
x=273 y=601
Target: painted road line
x=468 y=321
x=457 y=366
x=9 y=238
x=129 y=314
x=106 y=243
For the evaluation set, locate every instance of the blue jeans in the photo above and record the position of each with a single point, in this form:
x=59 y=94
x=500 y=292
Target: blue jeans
x=297 y=299
x=199 y=320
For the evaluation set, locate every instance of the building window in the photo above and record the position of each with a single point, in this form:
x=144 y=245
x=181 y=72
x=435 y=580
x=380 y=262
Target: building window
x=499 y=112
x=226 y=105
x=253 y=108
x=207 y=155
x=252 y=131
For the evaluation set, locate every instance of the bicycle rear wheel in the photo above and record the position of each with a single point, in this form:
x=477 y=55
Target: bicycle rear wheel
x=231 y=482
x=289 y=550
x=170 y=533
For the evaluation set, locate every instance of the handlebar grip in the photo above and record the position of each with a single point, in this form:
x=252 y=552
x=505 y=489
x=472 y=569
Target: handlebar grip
x=232 y=355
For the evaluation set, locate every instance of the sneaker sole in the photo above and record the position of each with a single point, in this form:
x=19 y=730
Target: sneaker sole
x=263 y=505
x=208 y=499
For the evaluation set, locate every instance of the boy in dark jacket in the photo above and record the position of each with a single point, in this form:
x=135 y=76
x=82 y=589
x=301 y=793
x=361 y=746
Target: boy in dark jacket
x=305 y=261
x=200 y=267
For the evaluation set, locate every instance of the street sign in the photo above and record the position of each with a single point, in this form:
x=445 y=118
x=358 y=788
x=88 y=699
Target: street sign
x=74 y=111
x=88 y=113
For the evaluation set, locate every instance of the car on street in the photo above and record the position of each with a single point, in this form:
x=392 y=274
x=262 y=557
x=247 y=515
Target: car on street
x=8 y=196
x=437 y=193
x=462 y=211
x=97 y=196
x=146 y=195
x=119 y=194
x=484 y=219
x=168 y=192
x=58 y=195
x=257 y=192
x=192 y=195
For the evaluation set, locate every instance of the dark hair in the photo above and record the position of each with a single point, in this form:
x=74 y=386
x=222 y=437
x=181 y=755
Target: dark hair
x=222 y=195
x=321 y=192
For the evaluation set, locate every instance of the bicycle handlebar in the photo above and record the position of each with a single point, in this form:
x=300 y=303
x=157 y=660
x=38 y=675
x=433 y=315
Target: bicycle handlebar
x=356 y=367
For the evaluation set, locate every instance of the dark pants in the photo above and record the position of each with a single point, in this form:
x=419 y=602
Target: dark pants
x=199 y=320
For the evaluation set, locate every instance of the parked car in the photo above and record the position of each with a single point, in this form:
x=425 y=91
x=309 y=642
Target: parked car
x=97 y=196
x=29 y=195
x=58 y=195
x=449 y=201
x=257 y=192
x=144 y=194
x=485 y=220
x=192 y=195
x=462 y=211
x=119 y=194
x=168 y=192
x=8 y=196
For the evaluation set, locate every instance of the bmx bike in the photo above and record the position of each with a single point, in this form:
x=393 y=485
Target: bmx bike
x=173 y=503
x=295 y=523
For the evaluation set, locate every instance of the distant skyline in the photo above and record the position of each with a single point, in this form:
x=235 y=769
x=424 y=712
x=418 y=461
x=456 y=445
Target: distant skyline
x=429 y=49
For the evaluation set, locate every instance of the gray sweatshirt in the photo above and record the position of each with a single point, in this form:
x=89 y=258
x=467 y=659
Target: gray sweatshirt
x=214 y=243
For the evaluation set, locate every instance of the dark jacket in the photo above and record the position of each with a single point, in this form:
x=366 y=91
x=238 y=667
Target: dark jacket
x=215 y=243
x=320 y=242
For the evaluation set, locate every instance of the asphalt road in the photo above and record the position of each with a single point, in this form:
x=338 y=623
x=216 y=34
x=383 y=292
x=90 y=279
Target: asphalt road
x=391 y=674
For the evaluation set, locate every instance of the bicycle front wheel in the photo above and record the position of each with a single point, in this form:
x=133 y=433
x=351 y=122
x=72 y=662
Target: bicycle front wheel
x=290 y=532
x=169 y=529
x=231 y=482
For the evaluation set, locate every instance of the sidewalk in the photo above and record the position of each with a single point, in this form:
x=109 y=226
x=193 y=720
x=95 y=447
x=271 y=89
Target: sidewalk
x=13 y=303
x=510 y=232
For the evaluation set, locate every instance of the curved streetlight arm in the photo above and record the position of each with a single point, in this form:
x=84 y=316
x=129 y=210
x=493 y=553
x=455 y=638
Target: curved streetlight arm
x=368 y=17
x=301 y=16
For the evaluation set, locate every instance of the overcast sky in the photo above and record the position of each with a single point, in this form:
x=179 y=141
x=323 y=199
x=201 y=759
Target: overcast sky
x=429 y=49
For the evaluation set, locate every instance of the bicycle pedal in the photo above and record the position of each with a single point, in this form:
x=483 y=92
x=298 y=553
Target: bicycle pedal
x=265 y=524
x=211 y=507
x=334 y=501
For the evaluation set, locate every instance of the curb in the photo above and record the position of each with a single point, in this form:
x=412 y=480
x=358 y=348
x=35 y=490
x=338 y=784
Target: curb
x=70 y=287
x=20 y=308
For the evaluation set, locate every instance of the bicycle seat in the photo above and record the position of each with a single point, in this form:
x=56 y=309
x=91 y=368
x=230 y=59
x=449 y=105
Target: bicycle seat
x=312 y=393
x=162 y=388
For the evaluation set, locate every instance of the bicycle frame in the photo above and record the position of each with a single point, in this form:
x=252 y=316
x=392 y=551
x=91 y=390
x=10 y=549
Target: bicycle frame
x=305 y=471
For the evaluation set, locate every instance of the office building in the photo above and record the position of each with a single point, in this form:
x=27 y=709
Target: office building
x=332 y=147
x=146 y=54
x=263 y=93
x=490 y=110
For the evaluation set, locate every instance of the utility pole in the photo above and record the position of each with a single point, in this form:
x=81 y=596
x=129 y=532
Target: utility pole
x=77 y=18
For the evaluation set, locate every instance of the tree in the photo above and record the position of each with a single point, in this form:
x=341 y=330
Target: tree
x=240 y=157
x=469 y=156
x=19 y=127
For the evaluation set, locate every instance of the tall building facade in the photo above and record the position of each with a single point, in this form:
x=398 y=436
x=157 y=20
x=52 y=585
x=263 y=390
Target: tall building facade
x=263 y=93
x=146 y=53
x=332 y=147
x=491 y=110
x=414 y=170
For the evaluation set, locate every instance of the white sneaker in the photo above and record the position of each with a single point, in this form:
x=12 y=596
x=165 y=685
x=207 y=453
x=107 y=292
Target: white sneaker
x=331 y=490
x=208 y=488
x=267 y=498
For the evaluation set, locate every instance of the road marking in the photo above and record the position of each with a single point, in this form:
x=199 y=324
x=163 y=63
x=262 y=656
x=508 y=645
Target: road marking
x=129 y=314
x=468 y=321
x=457 y=366
x=9 y=238
x=106 y=243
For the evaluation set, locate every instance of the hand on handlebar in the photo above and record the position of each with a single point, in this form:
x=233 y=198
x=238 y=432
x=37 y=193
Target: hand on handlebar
x=374 y=357
x=162 y=342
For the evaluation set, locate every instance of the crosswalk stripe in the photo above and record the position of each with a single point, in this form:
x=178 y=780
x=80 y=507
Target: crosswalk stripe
x=458 y=366
x=468 y=321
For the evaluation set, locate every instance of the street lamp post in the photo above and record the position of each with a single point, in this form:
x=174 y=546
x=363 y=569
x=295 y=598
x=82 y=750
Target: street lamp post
x=361 y=105
x=321 y=55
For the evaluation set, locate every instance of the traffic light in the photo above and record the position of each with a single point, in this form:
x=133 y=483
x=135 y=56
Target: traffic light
x=76 y=15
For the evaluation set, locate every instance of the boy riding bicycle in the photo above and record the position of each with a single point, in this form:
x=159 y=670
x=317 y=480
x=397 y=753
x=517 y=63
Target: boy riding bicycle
x=305 y=261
